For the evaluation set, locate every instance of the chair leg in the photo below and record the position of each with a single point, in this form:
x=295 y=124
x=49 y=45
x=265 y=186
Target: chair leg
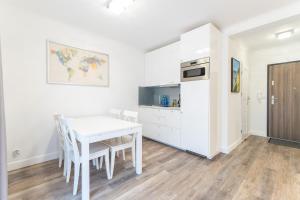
x=69 y=167
x=61 y=156
x=65 y=163
x=107 y=166
x=76 y=178
x=94 y=162
x=123 y=151
x=97 y=163
x=133 y=154
x=112 y=164
x=101 y=162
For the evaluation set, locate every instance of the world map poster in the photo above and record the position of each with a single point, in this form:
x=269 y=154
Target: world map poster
x=74 y=66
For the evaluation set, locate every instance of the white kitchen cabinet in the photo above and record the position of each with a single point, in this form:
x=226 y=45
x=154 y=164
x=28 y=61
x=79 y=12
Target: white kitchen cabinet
x=197 y=43
x=196 y=127
x=162 y=66
x=200 y=99
x=162 y=125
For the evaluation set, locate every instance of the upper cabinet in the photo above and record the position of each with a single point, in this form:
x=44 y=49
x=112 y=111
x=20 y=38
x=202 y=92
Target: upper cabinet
x=198 y=43
x=162 y=66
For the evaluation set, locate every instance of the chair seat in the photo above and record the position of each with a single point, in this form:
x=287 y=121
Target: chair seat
x=118 y=141
x=98 y=146
x=97 y=150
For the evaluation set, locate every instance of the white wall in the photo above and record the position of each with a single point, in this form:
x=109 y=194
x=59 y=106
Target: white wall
x=231 y=102
x=30 y=102
x=230 y=122
x=258 y=60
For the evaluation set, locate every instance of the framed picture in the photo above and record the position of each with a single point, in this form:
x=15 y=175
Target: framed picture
x=74 y=66
x=235 y=75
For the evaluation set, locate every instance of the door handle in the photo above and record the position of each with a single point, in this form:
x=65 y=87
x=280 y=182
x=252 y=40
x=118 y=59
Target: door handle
x=273 y=100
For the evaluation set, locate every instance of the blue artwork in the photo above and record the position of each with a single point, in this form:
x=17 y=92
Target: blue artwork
x=235 y=75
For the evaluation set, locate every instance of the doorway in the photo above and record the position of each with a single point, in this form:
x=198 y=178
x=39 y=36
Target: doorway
x=283 y=101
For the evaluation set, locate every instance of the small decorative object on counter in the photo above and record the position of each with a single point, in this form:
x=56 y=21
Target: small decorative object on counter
x=178 y=104
x=174 y=104
x=164 y=101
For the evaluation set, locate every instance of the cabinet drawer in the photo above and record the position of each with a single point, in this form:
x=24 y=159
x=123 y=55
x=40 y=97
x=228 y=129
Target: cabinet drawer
x=161 y=133
x=148 y=115
x=160 y=116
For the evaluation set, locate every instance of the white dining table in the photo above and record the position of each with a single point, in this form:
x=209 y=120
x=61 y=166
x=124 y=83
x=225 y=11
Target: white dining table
x=98 y=128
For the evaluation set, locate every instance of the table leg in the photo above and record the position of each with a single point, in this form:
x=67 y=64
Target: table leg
x=85 y=170
x=139 y=152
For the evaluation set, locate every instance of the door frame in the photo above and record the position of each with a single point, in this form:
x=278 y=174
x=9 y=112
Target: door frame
x=268 y=97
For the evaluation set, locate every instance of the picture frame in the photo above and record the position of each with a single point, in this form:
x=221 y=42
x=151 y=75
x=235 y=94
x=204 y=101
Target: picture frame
x=235 y=75
x=68 y=65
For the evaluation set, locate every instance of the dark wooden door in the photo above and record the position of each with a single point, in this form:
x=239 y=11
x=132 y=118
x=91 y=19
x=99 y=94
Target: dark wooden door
x=283 y=101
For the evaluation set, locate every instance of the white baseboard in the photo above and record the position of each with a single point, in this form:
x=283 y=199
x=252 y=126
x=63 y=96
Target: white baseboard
x=231 y=147
x=31 y=161
x=258 y=133
x=210 y=157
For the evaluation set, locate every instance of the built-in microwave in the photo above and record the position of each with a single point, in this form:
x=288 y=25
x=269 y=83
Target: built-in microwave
x=195 y=70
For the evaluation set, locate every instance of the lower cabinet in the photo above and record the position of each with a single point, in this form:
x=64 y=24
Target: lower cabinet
x=162 y=125
x=171 y=136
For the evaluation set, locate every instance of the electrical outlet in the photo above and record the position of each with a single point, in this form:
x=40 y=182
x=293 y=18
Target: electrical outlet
x=16 y=153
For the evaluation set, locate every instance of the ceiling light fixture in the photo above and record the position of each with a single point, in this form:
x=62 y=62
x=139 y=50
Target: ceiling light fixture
x=284 y=34
x=119 y=6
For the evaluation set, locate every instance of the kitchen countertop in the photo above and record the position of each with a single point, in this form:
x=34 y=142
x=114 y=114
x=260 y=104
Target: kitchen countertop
x=161 y=107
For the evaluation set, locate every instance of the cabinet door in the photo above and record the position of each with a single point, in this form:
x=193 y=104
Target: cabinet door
x=152 y=68
x=173 y=118
x=162 y=66
x=171 y=64
x=195 y=44
x=171 y=136
x=195 y=116
x=150 y=130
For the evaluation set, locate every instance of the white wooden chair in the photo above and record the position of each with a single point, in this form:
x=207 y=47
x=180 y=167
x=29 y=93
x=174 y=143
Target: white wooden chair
x=97 y=150
x=63 y=150
x=116 y=113
x=63 y=154
x=126 y=142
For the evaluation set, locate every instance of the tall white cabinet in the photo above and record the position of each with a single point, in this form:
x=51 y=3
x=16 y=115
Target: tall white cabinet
x=201 y=99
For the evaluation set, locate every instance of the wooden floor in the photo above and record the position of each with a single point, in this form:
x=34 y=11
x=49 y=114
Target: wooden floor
x=254 y=170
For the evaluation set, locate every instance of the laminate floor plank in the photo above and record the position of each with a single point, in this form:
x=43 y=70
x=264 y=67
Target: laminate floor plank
x=254 y=170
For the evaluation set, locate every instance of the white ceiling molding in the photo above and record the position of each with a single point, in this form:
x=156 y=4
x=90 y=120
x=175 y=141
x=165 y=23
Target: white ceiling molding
x=270 y=17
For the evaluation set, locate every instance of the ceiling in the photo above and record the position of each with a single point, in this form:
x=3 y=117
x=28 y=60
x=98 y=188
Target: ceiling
x=264 y=37
x=149 y=23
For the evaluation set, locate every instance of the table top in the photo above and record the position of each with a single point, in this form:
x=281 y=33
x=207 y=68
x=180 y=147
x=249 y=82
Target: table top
x=95 y=125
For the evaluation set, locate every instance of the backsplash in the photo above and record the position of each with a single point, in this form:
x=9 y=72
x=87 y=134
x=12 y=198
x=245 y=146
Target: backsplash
x=149 y=96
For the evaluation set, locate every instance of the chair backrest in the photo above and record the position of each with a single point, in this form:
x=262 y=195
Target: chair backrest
x=70 y=139
x=57 y=118
x=116 y=113
x=130 y=116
